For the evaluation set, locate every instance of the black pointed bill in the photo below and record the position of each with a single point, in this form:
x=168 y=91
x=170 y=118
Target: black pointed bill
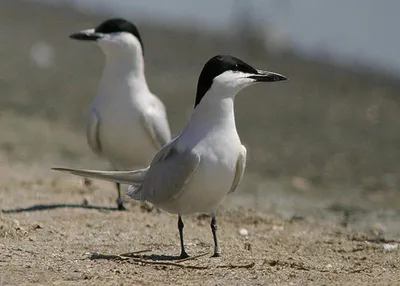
x=266 y=76
x=86 y=35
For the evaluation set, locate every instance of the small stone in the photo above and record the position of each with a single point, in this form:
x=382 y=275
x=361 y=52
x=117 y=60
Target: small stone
x=146 y=207
x=37 y=226
x=389 y=247
x=277 y=227
x=17 y=225
x=244 y=232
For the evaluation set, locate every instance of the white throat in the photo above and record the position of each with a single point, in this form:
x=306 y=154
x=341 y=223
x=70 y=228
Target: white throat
x=123 y=71
x=214 y=112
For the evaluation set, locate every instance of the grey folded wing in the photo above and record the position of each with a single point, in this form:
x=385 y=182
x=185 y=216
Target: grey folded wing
x=92 y=132
x=157 y=128
x=240 y=167
x=168 y=175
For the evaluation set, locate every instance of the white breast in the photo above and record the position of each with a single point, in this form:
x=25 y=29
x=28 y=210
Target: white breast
x=213 y=178
x=123 y=140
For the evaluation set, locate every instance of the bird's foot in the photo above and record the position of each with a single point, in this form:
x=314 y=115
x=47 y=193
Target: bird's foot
x=183 y=255
x=216 y=254
x=120 y=205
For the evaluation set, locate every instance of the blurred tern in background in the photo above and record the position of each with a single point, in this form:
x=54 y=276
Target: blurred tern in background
x=197 y=169
x=127 y=123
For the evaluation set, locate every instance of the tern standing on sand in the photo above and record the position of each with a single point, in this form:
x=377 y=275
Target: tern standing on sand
x=127 y=123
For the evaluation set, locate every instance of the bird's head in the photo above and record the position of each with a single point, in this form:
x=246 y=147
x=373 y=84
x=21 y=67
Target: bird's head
x=114 y=36
x=228 y=75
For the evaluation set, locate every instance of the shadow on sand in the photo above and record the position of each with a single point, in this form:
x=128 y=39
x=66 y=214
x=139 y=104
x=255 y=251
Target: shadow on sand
x=151 y=257
x=43 y=207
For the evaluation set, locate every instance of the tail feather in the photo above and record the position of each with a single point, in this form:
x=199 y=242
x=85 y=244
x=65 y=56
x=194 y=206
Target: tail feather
x=134 y=178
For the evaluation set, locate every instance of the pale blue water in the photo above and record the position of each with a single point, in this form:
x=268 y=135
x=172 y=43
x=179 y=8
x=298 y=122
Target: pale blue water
x=365 y=31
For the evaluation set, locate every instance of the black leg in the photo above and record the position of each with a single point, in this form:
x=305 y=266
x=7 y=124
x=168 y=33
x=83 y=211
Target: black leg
x=180 y=227
x=217 y=250
x=120 y=203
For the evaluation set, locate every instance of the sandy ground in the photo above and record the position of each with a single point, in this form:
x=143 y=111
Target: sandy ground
x=48 y=237
x=320 y=199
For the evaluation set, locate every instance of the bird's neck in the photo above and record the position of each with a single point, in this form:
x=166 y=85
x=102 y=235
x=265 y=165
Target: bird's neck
x=124 y=71
x=213 y=114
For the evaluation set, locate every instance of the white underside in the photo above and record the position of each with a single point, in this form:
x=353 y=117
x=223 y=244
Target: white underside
x=124 y=142
x=213 y=178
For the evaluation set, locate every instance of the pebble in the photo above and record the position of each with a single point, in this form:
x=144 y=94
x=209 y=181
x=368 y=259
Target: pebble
x=243 y=232
x=389 y=247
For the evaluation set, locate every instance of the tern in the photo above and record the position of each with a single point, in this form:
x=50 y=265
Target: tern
x=206 y=161
x=127 y=124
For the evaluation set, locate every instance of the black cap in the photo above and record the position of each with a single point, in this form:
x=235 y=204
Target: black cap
x=110 y=26
x=216 y=66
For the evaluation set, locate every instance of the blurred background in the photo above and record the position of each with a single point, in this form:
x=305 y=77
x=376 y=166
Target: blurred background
x=324 y=145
